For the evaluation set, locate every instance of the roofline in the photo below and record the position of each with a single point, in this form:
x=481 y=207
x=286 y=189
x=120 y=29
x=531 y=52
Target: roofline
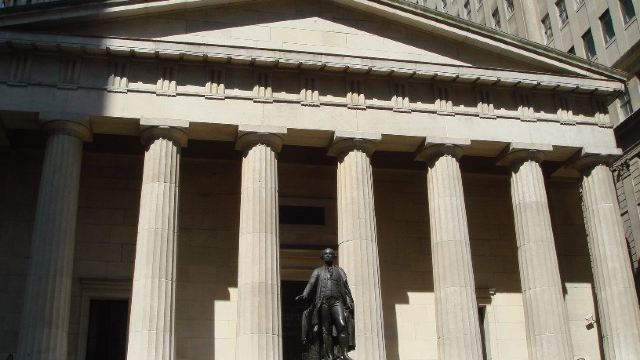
x=630 y=60
x=72 y=9
x=55 y=11
x=290 y=59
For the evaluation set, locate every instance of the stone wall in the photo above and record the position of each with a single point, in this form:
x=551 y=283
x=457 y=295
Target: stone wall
x=628 y=191
x=21 y=173
x=207 y=258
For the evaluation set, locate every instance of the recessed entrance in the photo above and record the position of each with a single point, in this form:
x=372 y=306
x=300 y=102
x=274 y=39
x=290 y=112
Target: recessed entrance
x=292 y=319
x=107 y=333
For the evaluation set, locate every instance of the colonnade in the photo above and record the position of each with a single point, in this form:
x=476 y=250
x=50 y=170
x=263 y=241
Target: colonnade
x=44 y=327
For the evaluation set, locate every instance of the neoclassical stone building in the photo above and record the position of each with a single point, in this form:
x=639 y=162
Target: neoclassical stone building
x=170 y=169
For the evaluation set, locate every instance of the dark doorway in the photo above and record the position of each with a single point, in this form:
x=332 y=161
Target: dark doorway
x=107 y=335
x=292 y=319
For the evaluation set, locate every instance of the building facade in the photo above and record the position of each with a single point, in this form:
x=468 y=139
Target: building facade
x=604 y=31
x=171 y=169
x=601 y=31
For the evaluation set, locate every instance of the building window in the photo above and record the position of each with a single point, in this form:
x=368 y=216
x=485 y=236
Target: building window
x=546 y=25
x=589 y=45
x=607 y=27
x=467 y=10
x=625 y=105
x=443 y=5
x=478 y=3
x=495 y=15
x=508 y=6
x=579 y=3
x=572 y=50
x=628 y=12
x=302 y=215
x=562 y=12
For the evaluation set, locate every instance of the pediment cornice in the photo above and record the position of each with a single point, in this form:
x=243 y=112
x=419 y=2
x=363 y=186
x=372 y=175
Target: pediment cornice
x=289 y=59
x=400 y=11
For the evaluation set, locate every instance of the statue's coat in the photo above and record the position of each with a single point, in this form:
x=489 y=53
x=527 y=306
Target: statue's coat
x=311 y=318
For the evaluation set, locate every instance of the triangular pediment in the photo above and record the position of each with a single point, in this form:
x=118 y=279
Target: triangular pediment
x=379 y=29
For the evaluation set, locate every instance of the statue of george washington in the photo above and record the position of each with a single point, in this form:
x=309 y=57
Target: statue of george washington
x=329 y=316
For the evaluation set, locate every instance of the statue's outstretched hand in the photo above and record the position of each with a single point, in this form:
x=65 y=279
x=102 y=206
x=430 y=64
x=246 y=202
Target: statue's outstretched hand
x=349 y=306
x=301 y=298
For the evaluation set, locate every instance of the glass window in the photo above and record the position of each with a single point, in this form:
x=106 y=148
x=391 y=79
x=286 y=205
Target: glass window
x=625 y=105
x=478 y=3
x=495 y=15
x=628 y=12
x=579 y=3
x=572 y=50
x=562 y=12
x=508 y=6
x=467 y=10
x=546 y=25
x=302 y=215
x=607 y=27
x=589 y=45
x=443 y=5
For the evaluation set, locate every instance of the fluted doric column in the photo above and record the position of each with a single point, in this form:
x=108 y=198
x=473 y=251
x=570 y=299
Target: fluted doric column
x=546 y=318
x=47 y=300
x=457 y=323
x=259 y=327
x=358 y=243
x=152 y=319
x=619 y=316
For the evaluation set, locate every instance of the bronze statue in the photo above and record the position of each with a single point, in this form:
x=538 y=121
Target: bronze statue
x=330 y=314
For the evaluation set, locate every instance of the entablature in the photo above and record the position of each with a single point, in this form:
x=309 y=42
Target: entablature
x=305 y=60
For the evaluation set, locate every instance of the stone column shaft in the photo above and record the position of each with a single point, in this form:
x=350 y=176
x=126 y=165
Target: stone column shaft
x=619 y=316
x=259 y=328
x=47 y=300
x=457 y=322
x=546 y=318
x=152 y=318
x=358 y=245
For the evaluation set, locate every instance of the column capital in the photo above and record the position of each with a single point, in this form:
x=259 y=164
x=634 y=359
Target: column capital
x=175 y=134
x=586 y=159
x=175 y=130
x=434 y=148
x=517 y=154
x=251 y=135
x=346 y=141
x=79 y=128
